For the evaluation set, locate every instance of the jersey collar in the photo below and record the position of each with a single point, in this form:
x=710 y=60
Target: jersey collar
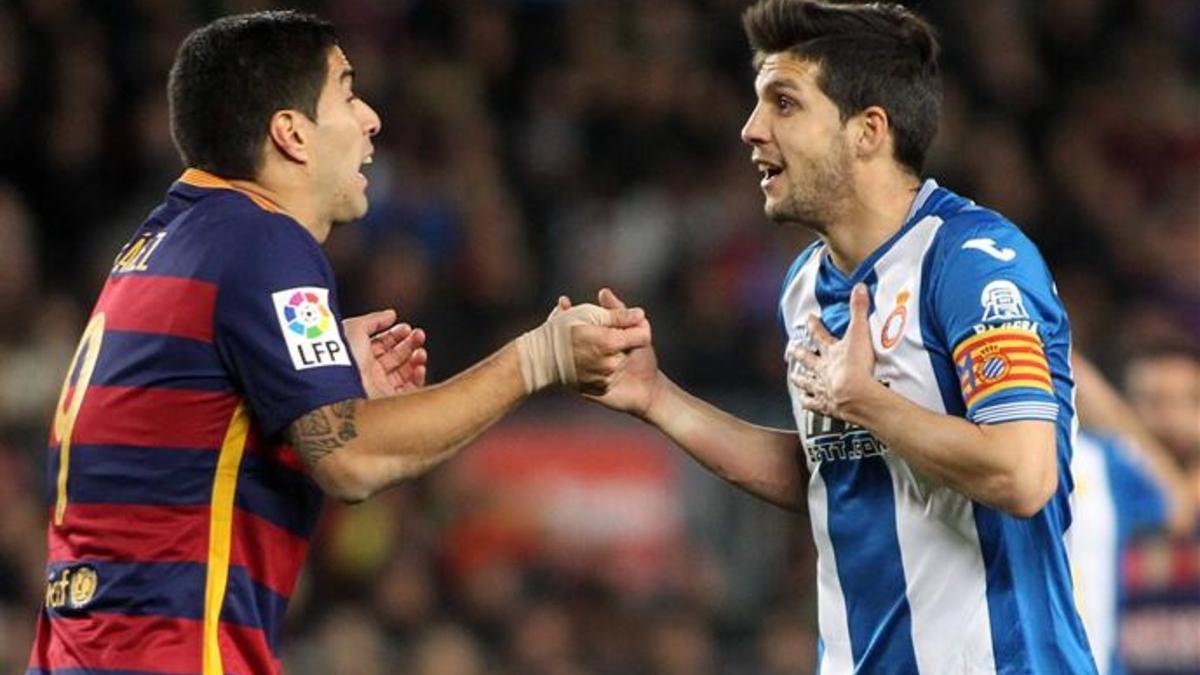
x=198 y=178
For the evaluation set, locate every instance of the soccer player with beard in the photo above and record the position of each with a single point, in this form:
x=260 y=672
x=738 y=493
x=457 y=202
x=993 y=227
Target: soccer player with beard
x=216 y=393
x=928 y=367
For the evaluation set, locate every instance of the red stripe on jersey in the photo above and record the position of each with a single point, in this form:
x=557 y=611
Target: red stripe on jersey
x=154 y=417
x=245 y=651
x=131 y=532
x=150 y=644
x=165 y=305
x=272 y=555
x=153 y=644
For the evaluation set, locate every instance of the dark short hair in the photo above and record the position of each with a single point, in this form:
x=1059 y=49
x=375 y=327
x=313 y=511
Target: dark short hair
x=233 y=74
x=869 y=54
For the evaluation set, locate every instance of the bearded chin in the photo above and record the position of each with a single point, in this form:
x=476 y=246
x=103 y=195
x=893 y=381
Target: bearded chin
x=792 y=212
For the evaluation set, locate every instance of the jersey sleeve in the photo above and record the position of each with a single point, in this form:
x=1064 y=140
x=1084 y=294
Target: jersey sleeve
x=278 y=324
x=1140 y=502
x=995 y=304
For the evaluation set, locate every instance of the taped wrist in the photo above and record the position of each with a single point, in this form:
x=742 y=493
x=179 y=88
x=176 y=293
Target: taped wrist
x=545 y=352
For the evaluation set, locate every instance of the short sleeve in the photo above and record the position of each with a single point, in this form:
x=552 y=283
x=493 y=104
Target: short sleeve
x=278 y=324
x=1140 y=502
x=995 y=303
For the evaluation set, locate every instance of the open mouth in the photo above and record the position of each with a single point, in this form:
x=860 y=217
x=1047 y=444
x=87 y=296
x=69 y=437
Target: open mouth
x=769 y=171
x=366 y=161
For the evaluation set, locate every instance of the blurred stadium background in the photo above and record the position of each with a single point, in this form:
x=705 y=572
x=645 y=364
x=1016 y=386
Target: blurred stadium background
x=533 y=147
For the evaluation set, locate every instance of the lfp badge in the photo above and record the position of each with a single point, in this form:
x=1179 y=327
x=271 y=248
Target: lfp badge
x=309 y=328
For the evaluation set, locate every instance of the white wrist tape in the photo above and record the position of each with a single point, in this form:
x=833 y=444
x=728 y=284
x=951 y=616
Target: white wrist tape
x=546 y=354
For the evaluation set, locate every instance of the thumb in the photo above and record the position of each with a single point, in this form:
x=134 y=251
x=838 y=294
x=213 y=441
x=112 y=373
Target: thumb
x=860 y=306
x=609 y=300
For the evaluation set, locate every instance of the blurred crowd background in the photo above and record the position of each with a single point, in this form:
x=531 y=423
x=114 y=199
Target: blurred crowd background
x=537 y=147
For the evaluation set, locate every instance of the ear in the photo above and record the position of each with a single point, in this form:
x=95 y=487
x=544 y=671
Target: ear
x=288 y=132
x=871 y=132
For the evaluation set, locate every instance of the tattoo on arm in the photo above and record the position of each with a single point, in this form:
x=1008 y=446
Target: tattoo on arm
x=323 y=431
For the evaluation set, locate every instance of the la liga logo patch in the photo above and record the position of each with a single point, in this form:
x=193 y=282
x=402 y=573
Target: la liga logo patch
x=309 y=328
x=306 y=315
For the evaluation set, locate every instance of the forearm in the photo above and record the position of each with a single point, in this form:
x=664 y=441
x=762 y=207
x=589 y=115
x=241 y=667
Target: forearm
x=1010 y=467
x=406 y=435
x=760 y=460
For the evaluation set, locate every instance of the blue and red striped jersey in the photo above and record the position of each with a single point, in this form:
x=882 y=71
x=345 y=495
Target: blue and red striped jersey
x=179 y=518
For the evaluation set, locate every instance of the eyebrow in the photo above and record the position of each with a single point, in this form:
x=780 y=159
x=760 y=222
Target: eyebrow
x=347 y=74
x=783 y=84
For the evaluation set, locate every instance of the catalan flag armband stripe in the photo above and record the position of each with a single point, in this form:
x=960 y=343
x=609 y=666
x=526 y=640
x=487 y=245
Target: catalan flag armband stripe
x=999 y=360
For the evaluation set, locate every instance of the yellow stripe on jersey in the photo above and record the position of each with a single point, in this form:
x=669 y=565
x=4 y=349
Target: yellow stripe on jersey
x=1009 y=383
x=1001 y=359
x=220 y=535
x=1009 y=338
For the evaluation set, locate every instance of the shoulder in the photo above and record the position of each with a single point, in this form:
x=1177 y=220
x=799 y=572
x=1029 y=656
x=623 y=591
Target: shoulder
x=235 y=222
x=246 y=241
x=981 y=235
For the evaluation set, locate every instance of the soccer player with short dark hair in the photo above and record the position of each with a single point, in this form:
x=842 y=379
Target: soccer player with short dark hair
x=928 y=367
x=216 y=392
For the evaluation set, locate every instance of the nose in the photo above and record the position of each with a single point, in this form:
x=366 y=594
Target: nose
x=371 y=121
x=754 y=132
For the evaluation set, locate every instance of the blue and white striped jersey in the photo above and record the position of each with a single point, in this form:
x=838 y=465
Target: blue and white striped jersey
x=914 y=577
x=1115 y=497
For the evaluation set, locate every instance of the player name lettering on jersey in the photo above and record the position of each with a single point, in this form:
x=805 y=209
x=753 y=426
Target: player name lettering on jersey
x=135 y=256
x=1029 y=326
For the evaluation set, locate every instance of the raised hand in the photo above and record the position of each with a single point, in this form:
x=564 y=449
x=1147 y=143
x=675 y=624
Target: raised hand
x=633 y=386
x=580 y=346
x=391 y=357
x=833 y=377
x=602 y=352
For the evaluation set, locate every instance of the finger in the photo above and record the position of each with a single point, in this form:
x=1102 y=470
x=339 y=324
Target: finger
x=818 y=332
x=860 y=306
x=419 y=357
x=609 y=300
x=376 y=321
x=626 y=318
x=562 y=305
x=407 y=347
x=808 y=360
x=814 y=404
x=382 y=342
x=389 y=361
x=633 y=338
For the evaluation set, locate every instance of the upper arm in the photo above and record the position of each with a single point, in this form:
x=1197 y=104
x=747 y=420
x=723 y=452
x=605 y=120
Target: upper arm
x=278 y=326
x=1033 y=444
x=995 y=303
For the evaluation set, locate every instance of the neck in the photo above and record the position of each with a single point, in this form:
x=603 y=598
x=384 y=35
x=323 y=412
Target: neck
x=285 y=188
x=873 y=214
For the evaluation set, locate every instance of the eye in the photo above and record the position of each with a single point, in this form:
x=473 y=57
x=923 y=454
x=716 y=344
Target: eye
x=785 y=104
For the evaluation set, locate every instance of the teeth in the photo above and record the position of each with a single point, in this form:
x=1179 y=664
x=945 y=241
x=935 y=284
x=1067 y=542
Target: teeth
x=368 y=160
